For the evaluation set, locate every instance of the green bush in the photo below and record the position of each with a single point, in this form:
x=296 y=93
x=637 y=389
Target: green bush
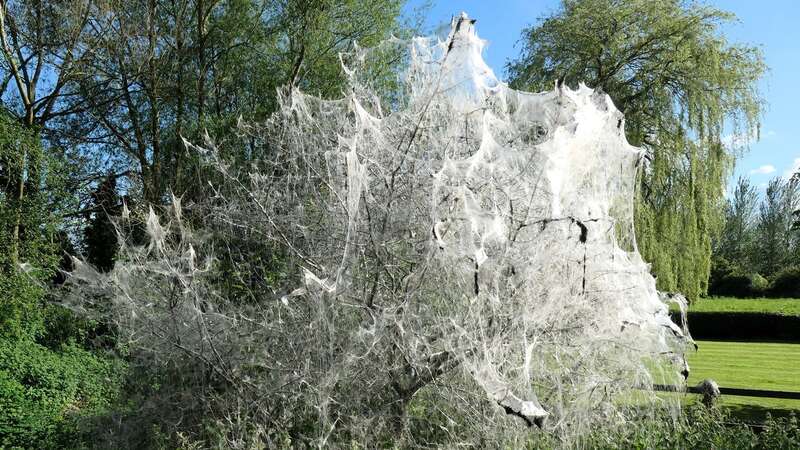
x=62 y=326
x=738 y=284
x=729 y=280
x=20 y=311
x=786 y=283
x=758 y=284
x=44 y=393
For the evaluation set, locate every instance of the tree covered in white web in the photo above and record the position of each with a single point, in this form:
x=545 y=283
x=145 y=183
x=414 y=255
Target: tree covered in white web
x=457 y=254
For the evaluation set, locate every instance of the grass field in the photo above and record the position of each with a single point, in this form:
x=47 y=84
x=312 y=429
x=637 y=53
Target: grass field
x=750 y=365
x=755 y=365
x=783 y=306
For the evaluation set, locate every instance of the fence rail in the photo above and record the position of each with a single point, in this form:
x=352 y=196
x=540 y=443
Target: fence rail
x=709 y=390
x=759 y=393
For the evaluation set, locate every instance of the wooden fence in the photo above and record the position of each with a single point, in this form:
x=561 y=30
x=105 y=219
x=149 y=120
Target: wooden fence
x=710 y=391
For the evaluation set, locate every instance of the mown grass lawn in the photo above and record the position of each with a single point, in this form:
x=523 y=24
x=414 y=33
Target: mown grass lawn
x=772 y=366
x=783 y=306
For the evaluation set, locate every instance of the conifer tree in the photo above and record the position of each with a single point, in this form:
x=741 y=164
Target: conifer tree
x=100 y=236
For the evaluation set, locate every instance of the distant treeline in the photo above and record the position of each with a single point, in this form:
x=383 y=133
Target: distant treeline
x=758 y=251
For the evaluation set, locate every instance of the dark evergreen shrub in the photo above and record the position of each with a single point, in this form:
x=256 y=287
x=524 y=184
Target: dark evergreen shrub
x=786 y=283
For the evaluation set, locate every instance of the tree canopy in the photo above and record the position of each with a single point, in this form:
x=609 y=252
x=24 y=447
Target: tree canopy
x=96 y=97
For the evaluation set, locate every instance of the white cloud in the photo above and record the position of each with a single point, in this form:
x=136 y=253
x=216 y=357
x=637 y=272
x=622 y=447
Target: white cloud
x=795 y=168
x=763 y=170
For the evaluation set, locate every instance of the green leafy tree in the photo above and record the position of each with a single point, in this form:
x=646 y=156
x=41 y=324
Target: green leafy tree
x=736 y=240
x=42 y=47
x=28 y=226
x=46 y=379
x=164 y=70
x=773 y=245
x=680 y=85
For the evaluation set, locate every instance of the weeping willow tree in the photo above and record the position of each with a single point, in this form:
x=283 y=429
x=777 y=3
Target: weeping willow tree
x=682 y=87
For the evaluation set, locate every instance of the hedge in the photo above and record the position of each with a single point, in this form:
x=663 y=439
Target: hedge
x=786 y=283
x=742 y=326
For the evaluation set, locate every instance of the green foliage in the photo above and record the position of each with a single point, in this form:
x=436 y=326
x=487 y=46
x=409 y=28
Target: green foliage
x=100 y=236
x=679 y=84
x=736 y=242
x=727 y=279
x=44 y=393
x=208 y=64
x=318 y=69
x=758 y=237
x=698 y=428
x=30 y=181
x=776 y=242
x=739 y=284
x=29 y=240
x=786 y=283
x=63 y=327
x=779 y=306
x=20 y=312
x=46 y=380
x=758 y=283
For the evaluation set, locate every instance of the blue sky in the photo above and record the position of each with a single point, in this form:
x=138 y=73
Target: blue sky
x=773 y=25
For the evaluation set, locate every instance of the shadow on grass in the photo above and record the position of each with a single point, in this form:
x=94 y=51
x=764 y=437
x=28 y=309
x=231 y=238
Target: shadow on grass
x=757 y=414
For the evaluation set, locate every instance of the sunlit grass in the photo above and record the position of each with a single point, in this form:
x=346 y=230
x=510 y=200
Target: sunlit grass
x=755 y=365
x=782 y=306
